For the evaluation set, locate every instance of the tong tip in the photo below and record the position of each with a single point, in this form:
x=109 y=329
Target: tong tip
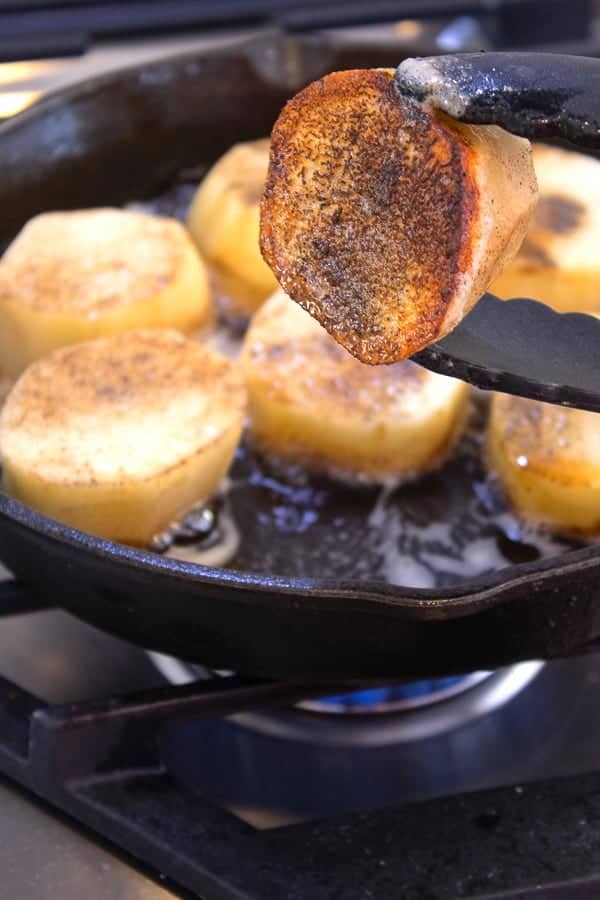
x=442 y=81
x=540 y=96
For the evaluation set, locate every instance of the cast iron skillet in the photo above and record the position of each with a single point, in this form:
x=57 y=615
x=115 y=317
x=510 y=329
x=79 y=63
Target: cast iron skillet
x=125 y=136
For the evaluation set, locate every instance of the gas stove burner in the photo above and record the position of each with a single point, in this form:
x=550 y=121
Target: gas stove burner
x=396 y=698
x=378 y=717
x=423 y=739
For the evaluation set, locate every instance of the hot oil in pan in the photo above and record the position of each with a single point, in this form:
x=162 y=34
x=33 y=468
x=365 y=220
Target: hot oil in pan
x=434 y=532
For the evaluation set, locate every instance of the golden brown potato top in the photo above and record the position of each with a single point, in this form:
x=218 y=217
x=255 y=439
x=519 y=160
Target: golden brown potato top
x=385 y=219
x=126 y=406
x=91 y=261
x=564 y=232
x=390 y=163
x=560 y=443
x=300 y=363
x=249 y=162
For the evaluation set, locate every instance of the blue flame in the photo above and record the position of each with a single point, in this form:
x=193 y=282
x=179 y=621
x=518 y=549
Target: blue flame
x=408 y=691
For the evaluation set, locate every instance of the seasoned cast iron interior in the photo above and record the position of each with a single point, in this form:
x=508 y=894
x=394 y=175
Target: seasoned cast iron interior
x=433 y=532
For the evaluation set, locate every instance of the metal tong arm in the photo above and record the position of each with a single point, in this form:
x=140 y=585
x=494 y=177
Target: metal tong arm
x=518 y=346
x=540 y=96
x=523 y=347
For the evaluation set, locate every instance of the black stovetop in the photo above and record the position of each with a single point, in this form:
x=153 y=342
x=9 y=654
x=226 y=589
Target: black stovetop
x=162 y=775
x=44 y=28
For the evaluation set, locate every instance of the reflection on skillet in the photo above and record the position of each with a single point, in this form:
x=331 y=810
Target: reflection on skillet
x=447 y=526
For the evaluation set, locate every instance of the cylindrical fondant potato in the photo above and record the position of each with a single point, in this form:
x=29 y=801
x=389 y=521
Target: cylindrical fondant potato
x=121 y=435
x=312 y=403
x=74 y=276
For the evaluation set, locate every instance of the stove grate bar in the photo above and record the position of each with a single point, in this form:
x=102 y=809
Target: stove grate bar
x=100 y=762
x=17 y=599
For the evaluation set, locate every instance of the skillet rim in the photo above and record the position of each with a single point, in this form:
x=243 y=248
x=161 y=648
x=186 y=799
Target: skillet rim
x=466 y=598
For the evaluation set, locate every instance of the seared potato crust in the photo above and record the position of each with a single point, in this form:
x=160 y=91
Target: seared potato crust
x=312 y=403
x=223 y=221
x=73 y=276
x=547 y=459
x=121 y=435
x=558 y=261
x=387 y=220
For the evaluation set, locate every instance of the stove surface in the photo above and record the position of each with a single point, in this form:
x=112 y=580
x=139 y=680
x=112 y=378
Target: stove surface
x=45 y=855
x=281 y=767
x=200 y=769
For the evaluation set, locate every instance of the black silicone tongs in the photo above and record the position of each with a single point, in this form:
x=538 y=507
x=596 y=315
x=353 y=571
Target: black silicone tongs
x=518 y=346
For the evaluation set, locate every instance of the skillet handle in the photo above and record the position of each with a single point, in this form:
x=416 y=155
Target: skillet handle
x=17 y=598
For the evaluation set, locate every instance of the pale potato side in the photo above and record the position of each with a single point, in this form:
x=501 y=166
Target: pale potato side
x=547 y=460
x=224 y=223
x=558 y=262
x=74 y=276
x=121 y=435
x=312 y=403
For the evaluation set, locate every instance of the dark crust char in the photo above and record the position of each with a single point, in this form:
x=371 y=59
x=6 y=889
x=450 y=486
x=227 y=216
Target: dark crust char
x=366 y=193
x=554 y=215
x=559 y=214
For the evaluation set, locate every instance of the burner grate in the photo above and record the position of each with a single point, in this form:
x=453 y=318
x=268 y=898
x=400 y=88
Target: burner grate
x=100 y=762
